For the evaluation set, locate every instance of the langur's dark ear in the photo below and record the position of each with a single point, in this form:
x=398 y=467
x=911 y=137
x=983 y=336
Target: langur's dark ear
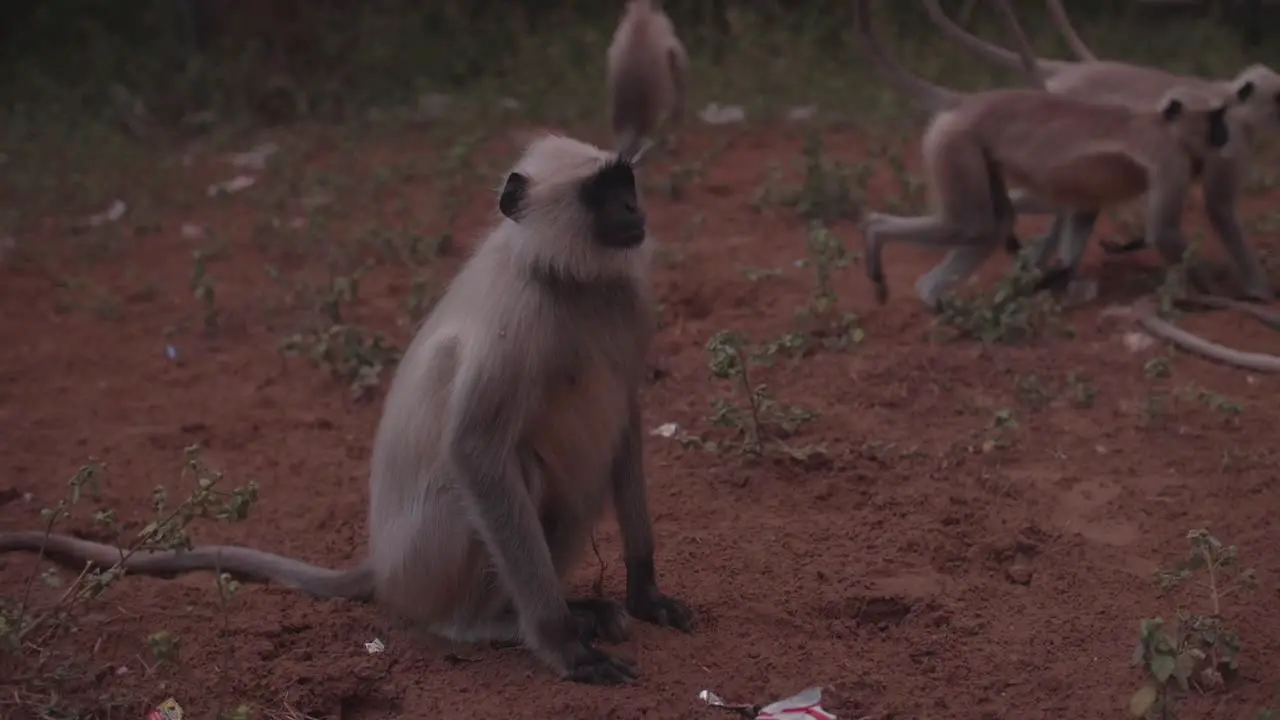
x=514 y=194
x=1245 y=90
x=1172 y=109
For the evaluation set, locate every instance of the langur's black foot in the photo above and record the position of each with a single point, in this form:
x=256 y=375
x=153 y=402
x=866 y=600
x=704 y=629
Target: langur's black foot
x=1056 y=280
x=1134 y=244
x=596 y=667
x=599 y=619
x=662 y=610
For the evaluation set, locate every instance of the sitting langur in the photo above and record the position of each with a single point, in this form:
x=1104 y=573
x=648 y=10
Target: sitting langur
x=1069 y=152
x=646 y=65
x=512 y=422
x=1139 y=87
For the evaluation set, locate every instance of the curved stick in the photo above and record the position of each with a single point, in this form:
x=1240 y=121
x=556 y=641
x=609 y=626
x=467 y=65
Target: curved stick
x=1144 y=314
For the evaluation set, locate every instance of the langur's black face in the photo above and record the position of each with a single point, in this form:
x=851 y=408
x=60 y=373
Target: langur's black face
x=610 y=199
x=1218 y=132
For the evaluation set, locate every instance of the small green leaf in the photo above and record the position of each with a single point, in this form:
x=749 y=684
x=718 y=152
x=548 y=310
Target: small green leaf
x=1183 y=667
x=1142 y=700
x=1139 y=652
x=1162 y=667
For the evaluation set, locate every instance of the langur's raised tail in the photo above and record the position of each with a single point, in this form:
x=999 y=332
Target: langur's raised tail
x=988 y=51
x=1063 y=23
x=932 y=98
x=630 y=145
x=245 y=563
x=1026 y=53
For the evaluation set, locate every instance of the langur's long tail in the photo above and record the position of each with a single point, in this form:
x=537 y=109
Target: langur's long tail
x=930 y=97
x=988 y=51
x=246 y=563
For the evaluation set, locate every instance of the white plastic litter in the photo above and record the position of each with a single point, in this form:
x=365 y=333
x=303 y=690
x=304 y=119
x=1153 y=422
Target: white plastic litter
x=804 y=705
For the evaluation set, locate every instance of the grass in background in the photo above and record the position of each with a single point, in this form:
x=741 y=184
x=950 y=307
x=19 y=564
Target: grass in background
x=376 y=65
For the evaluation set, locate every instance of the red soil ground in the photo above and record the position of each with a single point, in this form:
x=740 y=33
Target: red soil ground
x=916 y=570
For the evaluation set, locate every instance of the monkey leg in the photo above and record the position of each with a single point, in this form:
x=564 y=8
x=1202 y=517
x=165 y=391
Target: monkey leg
x=500 y=628
x=1172 y=249
x=1220 y=191
x=956 y=265
x=1133 y=244
x=596 y=618
x=645 y=601
x=1027 y=203
x=1042 y=245
x=934 y=231
x=1074 y=227
x=599 y=619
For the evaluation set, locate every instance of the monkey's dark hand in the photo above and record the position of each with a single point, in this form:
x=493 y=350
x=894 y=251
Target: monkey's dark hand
x=654 y=607
x=561 y=644
x=597 y=667
x=1056 y=280
x=599 y=619
x=1117 y=247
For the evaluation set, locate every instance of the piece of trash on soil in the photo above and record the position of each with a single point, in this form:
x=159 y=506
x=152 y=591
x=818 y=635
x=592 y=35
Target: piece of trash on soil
x=804 y=112
x=433 y=105
x=666 y=430
x=716 y=701
x=717 y=114
x=191 y=231
x=1137 y=341
x=255 y=159
x=375 y=647
x=110 y=215
x=167 y=710
x=804 y=705
x=235 y=184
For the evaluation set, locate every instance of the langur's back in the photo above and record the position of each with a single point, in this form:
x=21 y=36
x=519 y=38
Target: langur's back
x=639 y=73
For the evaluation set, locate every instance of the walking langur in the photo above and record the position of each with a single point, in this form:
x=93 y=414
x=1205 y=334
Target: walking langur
x=1057 y=149
x=1222 y=175
x=512 y=421
x=646 y=68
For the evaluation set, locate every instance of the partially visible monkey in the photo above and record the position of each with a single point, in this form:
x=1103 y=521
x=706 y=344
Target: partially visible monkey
x=1069 y=152
x=513 y=420
x=646 y=68
x=1139 y=87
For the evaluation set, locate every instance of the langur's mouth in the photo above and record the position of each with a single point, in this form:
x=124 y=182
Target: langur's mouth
x=628 y=239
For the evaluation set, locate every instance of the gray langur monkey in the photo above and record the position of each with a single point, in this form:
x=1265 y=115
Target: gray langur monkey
x=646 y=69
x=1221 y=175
x=512 y=422
x=1069 y=152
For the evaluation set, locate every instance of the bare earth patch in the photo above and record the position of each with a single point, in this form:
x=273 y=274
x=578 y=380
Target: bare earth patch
x=951 y=531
